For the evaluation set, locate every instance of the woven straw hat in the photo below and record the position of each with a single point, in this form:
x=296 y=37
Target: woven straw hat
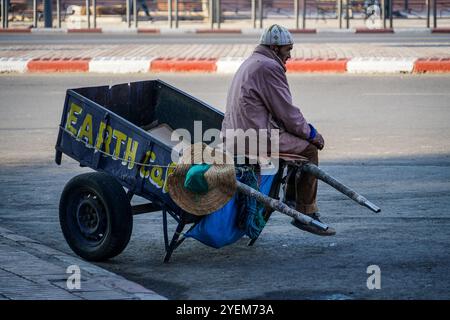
x=220 y=177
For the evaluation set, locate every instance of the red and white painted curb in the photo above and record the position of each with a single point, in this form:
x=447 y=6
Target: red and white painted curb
x=381 y=65
x=219 y=31
x=120 y=64
x=317 y=65
x=58 y=65
x=227 y=65
x=14 y=65
x=183 y=65
x=432 y=65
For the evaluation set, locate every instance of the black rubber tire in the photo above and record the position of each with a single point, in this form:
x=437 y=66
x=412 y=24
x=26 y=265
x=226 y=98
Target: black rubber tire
x=112 y=216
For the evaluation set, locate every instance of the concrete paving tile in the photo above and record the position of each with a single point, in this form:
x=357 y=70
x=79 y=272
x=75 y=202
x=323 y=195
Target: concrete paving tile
x=92 y=285
x=125 y=285
x=84 y=266
x=103 y=295
x=13 y=255
x=31 y=266
x=42 y=248
x=18 y=238
x=4 y=273
x=17 y=288
x=148 y=296
x=4 y=231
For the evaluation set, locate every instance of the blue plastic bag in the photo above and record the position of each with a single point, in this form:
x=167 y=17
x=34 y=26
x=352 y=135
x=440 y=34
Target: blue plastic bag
x=220 y=228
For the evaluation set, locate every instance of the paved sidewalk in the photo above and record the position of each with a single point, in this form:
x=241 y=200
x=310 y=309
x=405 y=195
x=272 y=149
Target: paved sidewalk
x=30 y=270
x=223 y=58
x=302 y=50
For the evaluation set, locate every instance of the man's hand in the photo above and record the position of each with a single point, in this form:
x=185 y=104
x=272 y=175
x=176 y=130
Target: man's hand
x=318 y=141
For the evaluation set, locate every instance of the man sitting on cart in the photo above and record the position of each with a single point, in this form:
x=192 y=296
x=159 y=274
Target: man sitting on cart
x=259 y=98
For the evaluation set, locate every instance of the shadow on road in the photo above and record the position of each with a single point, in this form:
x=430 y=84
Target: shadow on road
x=408 y=240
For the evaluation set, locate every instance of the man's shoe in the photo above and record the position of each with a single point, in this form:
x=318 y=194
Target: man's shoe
x=313 y=229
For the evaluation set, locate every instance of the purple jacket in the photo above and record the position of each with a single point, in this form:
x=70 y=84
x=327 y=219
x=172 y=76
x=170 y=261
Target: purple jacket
x=259 y=98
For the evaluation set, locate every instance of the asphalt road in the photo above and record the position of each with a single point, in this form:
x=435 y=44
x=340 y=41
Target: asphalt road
x=43 y=39
x=388 y=137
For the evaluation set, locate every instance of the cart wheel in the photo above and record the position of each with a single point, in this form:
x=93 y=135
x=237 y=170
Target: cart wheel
x=95 y=216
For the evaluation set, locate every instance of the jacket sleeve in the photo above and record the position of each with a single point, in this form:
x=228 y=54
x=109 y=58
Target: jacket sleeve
x=277 y=97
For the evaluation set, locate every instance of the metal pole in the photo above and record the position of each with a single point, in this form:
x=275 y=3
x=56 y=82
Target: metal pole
x=406 y=5
x=218 y=13
x=261 y=10
x=94 y=5
x=347 y=14
x=211 y=13
x=383 y=13
x=35 y=18
x=428 y=12
x=176 y=14
x=128 y=13
x=135 y=14
x=58 y=12
x=304 y=15
x=88 y=13
x=340 y=13
x=297 y=13
x=169 y=13
x=254 y=13
x=48 y=14
x=6 y=13
x=391 y=16
x=3 y=13
x=435 y=14
x=7 y=4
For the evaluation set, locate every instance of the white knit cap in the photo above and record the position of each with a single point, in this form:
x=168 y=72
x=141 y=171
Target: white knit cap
x=276 y=35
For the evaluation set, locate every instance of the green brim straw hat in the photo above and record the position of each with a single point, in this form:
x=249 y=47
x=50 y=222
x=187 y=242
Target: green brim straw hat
x=203 y=181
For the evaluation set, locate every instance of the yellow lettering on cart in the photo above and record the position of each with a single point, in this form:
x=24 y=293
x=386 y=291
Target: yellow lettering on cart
x=156 y=176
x=101 y=130
x=74 y=111
x=99 y=139
x=149 y=155
x=86 y=129
x=130 y=153
x=120 y=138
x=169 y=171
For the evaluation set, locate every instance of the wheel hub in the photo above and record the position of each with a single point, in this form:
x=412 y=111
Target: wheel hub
x=88 y=215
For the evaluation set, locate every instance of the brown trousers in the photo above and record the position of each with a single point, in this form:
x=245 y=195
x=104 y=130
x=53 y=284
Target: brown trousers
x=303 y=187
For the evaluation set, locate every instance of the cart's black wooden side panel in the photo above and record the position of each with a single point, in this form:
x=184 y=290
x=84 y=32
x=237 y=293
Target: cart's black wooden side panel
x=134 y=102
x=181 y=110
x=124 y=144
x=110 y=119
